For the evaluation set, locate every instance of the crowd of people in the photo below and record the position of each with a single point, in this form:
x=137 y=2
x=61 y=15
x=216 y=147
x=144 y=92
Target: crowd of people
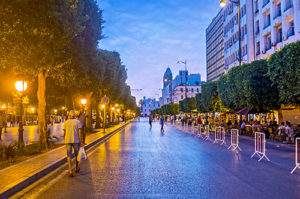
x=286 y=132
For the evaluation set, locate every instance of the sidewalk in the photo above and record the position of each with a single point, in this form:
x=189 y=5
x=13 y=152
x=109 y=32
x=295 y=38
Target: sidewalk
x=19 y=176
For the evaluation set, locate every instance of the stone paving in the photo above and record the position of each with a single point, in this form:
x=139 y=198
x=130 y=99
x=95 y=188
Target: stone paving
x=15 y=174
x=140 y=162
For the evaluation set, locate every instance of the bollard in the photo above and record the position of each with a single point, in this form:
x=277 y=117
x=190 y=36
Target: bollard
x=200 y=131
x=234 y=140
x=219 y=135
x=297 y=155
x=260 y=146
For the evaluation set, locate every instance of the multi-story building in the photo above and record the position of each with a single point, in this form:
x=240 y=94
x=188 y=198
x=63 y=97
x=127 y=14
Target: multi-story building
x=276 y=23
x=174 y=90
x=149 y=105
x=231 y=33
x=215 y=48
x=266 y=26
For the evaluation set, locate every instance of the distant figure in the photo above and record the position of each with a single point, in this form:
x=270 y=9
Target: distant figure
x=162 y=120
x=150 y=121
x=72 y=129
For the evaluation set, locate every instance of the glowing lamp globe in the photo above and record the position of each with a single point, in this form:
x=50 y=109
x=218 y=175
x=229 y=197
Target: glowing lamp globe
x=83 y=101
x=222 y=3
x=21 y=86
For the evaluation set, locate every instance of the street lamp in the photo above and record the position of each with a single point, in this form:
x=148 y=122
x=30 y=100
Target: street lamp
x=185 y=63
x=83 y=101
x=21 y=86
x=237 y=3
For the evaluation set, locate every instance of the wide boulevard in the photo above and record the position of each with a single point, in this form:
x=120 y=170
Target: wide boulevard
x=140 y=162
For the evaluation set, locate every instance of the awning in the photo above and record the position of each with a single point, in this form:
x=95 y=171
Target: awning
x=195 y=111
x=243 y=111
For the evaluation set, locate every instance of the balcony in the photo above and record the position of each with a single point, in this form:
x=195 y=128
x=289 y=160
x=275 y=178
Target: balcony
x=288 y=6
x=290 y=32
x=267 y=25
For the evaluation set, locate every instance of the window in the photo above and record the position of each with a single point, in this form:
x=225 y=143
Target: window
x=181 y=96
x=257 y=48
x=267 y=19
x=197 y=90
x=277 y=11
x=192 y=90
x=278 y=35
x=256 y=6
x=257 y=27
x=265 y=2
x=268 y=42
x=181 y=89
x=288 y=4
x=291 y=31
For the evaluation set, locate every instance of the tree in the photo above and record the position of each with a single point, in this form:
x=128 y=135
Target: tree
x=284 y=73
x=34 y=36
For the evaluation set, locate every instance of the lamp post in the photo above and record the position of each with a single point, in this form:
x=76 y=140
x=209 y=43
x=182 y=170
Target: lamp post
x=185 y=63
x=104 y=117
x=237 y=3
x=21 y=86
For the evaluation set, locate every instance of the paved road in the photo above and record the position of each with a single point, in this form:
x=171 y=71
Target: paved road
x=142 y=163
x=30 y=134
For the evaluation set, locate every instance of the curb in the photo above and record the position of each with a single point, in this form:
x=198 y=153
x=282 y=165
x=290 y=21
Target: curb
x=55 y=165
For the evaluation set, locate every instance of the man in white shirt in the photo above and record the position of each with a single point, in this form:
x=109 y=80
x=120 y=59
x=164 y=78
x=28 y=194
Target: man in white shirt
x=72 y=130
x=289 y=131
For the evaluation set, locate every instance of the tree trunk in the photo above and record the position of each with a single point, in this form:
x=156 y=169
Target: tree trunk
x=41 y=95
x=97 y=114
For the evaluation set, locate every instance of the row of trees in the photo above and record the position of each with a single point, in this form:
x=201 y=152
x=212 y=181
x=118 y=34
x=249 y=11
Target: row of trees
x=261 y=86
x=167 y=109
x=54 y=45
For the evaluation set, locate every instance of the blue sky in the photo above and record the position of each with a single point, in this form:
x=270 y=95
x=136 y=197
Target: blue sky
x=151 y=35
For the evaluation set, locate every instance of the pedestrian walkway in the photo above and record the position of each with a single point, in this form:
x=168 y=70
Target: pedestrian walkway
x=30 y=134
x=22 y=174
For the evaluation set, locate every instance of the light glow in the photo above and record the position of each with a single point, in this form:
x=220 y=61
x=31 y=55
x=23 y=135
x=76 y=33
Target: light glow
x=222 y=3
x=21 y=86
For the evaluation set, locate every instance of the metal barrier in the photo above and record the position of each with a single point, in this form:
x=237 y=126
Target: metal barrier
x=297 y=155
x=219 y=135
x=260 y=146
x=207 y=133
x=234 y=140
x=200 y=131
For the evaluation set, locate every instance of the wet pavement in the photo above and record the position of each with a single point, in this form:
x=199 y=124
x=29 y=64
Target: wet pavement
x=139 y=162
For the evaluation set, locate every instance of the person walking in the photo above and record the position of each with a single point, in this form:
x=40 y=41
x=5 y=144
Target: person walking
x=162 y=120
x=82 y=120
x=72 y=129
x=150 y=121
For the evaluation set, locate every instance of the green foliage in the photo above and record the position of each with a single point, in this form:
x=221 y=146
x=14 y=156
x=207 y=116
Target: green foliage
x=248 y=86
x=209 y=91
x=284 y=73
x=167 y=109
x=187 y=105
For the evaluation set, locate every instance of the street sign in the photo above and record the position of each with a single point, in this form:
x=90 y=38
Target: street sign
x=105 y=100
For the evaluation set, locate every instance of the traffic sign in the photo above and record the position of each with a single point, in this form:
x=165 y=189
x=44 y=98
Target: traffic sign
x=105 y=100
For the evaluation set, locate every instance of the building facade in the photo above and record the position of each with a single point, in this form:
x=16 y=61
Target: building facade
x=149 y=105
x=276 y=23
x=174 y=90
x=215 y=48
x=266 y=27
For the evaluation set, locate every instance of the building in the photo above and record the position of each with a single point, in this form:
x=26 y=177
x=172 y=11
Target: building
x=266 y=27
x=231 y=33
x=174 y=90
x=215 y=48
x=276 y=23
x=149 y=105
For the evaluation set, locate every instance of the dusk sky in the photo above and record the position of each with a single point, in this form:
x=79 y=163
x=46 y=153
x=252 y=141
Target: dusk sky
x=151 y=35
